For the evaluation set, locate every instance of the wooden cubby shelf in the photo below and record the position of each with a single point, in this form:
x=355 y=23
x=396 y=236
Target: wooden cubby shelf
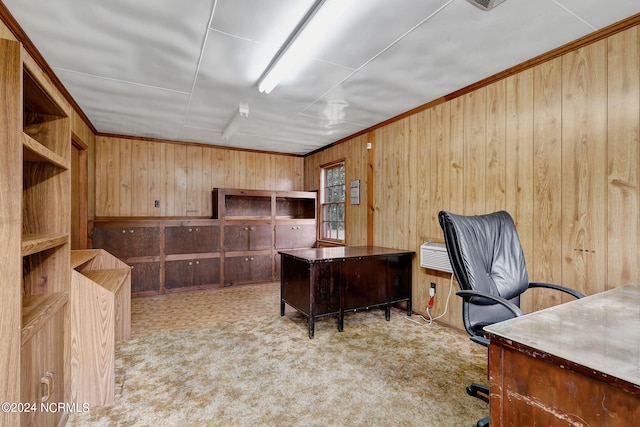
x=38 y=309
x=36 y=152
x=35 y=243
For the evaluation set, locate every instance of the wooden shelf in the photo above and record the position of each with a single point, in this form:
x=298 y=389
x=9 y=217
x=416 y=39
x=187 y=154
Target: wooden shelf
x=34 y=243
x=38 y=309
x=111 y=279
x=36 y=152
x=81 y=256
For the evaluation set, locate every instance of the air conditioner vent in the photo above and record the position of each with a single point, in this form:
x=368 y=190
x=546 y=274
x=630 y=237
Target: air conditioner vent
x=435 y=257
x=486 y=4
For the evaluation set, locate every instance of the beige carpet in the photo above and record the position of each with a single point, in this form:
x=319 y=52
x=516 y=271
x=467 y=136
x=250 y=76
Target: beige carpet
x=265 y=371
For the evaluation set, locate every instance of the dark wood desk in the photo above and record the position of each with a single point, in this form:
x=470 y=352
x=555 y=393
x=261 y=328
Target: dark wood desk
x=329 y=281
x=575 y=364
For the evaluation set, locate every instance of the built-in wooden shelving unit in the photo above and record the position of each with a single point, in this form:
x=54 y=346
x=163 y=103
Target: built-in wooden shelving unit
x=35 y=184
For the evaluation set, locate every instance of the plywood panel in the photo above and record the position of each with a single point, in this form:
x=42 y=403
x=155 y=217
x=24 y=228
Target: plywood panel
x=167 y=193
x=127 y=177
x=623 y=72
x=544 y=261
x=218 y=169
x=181 y=176
x=519 y=155
x=194 y=191
x=584 y=160
x=495 y=153
x=230 y=169
x=475 y=120
x=438 y=172
x=456 y=157
x=356 y=169
x=438 y=167
x=139 y=187
x=133 y=174
x=154 y=173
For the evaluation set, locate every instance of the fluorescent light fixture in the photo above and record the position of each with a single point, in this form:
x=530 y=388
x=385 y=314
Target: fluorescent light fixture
x=234 y=124
x=302 y=42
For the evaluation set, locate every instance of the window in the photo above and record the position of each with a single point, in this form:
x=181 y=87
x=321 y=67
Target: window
x=332 y=196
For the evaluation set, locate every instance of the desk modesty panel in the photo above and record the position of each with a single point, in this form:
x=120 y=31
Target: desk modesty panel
x=326 y=281
x=578 y=361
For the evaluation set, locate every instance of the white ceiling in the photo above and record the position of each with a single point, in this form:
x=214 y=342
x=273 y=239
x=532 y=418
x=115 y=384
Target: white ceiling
x=178 y=70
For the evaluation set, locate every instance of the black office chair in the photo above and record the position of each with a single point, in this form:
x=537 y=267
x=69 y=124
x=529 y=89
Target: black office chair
x=488 y=262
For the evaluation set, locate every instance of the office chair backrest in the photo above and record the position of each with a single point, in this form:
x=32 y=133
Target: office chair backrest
x=485 y=255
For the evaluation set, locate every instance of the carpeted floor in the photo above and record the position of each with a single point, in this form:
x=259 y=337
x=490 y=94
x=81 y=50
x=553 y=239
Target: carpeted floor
x=263 y=370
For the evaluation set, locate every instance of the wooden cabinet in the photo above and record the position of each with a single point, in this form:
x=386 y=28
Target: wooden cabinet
x=191 y=239
x=42 y=370
x=238 y=245
x=100 y=316
x=248 y=268
x=247 y=237
x=35 y=137
x=165 y=254
x=192 y=272
x=128 y=242
x=255 y=224
x=296 y=235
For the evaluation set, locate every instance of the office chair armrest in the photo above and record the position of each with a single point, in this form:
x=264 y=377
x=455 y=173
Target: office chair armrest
x=466 y=294
x=560 y=288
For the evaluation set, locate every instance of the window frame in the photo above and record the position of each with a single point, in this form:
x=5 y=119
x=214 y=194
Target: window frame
x=325 y=201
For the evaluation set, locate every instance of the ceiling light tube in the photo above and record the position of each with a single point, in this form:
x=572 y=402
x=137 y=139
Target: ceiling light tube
x=234 y=124
x=302 y=42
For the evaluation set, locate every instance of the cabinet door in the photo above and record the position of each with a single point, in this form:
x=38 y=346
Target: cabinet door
x=191 y=239
x=145 y=277
x=196 y=272
x=127 y=242
x=248 y=268
x=206 y=271
x=42 y=366
x=247 y=237
x=289 y=236
x=178 y=274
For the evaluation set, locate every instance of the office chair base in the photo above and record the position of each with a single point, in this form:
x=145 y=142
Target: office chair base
x=483 y=422
x=480 y=391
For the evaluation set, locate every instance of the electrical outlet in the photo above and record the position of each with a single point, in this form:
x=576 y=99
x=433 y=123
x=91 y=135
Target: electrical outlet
x=156 y=204
x=432 y=290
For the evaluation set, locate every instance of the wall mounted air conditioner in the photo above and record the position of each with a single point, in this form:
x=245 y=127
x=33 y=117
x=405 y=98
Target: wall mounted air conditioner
x=435 y=257
x=486 y=4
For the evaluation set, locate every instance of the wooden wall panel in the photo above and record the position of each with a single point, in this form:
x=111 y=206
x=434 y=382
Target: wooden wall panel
x=496 y=140
x=556 y=145
x=456 y=157
x=584 y=162
x=126 y=174
x=438 y=167
x=356 y=168
x=131 y=174
x=623 y=155
x=475 y=120
x=546 y=257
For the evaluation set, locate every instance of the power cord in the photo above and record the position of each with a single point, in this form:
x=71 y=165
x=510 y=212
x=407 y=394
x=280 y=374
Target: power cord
x=430 y=305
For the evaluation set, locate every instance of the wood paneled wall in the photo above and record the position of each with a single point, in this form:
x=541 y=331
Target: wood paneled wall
x=132 y=173
x=556 y=145
x=357 y=159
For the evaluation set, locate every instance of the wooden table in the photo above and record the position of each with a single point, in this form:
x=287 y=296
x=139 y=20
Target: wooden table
x=330 y=281
x=575 y=364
